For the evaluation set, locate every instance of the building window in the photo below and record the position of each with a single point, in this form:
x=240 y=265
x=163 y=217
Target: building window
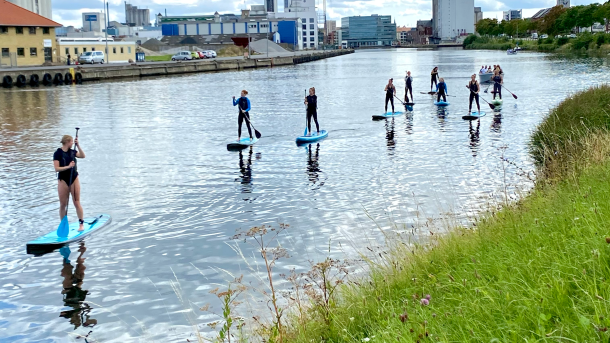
x=67 y=51
x=19 y=30
x=311 y=20
x=33 y=52
x=114 y=50
x=313 y=45
x=305 y=27
x=129 y=49
x=32 y=30
x=84 y=49
x=3 y=29
x=312 y=33
x=311 y=26
x=121 y=50
x=76 y=51
x=20 y=52
x=46 y=31
x=5 y=52
x=312 y=39
x=92 y=49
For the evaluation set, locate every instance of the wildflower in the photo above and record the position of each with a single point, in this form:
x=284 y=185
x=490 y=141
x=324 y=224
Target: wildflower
x=608 y=240
x=429 y=297
x=404 y=317
x=351 y=319
x=366 y=339
x=424 y=302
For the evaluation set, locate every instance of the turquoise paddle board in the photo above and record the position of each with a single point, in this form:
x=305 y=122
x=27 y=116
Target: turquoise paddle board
x=312 y=137
x=441 y=103
x=474 y=116
x=52 y=240
x=242 y=144
x=387 y=115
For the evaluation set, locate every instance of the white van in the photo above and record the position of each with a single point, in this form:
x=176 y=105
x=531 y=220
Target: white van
x=91 y=57
x=182 y=56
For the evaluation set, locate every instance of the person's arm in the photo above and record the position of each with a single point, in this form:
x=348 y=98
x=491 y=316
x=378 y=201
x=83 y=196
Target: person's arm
x=446 y=89
x=437 y=87
x=478 y=88
x=79 y=153
x=235 y=102
x=248 y=109
x=386 y=88
x=60 y=169
x=394 y=90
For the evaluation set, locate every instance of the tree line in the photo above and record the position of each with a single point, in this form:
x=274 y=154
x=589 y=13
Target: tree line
x=558 y=20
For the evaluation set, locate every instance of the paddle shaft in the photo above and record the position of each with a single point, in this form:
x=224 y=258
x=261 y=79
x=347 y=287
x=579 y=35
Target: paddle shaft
x=306 y=104
x=72 y=172
x=256 y=133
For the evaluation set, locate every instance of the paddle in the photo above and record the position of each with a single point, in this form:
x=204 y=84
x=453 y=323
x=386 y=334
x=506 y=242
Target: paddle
x=486 y=89
x=64 y=226
x=305 y=133
x=256 y=133
x=514 y=96
x=490 y=105
x=397 y=98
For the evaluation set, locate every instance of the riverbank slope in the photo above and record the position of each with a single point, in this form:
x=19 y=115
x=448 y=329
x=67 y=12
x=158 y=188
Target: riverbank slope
x=536 y=270
x=597 y=44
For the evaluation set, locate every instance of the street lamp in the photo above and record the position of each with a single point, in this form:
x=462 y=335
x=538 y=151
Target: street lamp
x=106 y=31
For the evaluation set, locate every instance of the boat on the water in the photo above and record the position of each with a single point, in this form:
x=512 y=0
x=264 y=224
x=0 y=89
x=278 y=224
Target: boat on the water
x=485 y=77
x=511 y=52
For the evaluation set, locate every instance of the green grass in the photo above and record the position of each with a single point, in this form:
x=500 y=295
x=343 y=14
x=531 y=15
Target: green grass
x=538 y=270
x=162 y=58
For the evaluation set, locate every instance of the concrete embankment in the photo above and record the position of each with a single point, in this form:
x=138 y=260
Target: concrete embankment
x=56 y=75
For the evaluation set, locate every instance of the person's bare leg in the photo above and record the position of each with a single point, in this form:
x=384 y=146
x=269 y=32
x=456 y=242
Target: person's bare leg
x=62 y=191
x=76 y=200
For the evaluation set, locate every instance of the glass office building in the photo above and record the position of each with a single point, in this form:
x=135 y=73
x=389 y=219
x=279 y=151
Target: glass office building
x=374 y=30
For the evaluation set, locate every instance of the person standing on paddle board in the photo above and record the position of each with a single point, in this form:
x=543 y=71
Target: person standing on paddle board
x=474 y=87
x=408 y=86
x=441 y=90
x=434 y=78
x=311 y=101
x=498 y=81
x=244 y=113
x=390 y=92
x=64 y=161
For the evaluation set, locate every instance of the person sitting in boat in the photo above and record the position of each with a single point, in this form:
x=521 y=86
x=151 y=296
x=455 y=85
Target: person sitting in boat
x=390 y=92
x=311 y=101
x=244 y=113
x=498 y=81
x=483 y=70
x=64 y=161
x=474 y=87
x=441 y=90
x=489 y=70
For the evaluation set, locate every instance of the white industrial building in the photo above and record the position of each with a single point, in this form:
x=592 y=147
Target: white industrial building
x=94 y=21
x=512 y=15
x=452 y=19
x=305 y=10
x=40 y=7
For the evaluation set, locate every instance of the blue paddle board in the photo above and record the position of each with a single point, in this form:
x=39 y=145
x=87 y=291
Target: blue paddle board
x=387 y=115
x=474 y=116
x=242 y=144
x=52 y=240
x=441 y=103
x=312 y=137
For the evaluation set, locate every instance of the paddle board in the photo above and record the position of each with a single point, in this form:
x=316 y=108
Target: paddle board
x=431 y=93
x=51 y=240
x=312 y=137
x=387 y=115
x=496 y=102
x=474 y=116
x=441 y=103
x=242 y=144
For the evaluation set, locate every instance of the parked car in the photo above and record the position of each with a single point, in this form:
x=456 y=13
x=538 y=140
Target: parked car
x=201 y=55
x=195 y=55
x=182 y=56
x=573 y=35
x=544 y=36
x=534 y=35
x=91 y=57
x=210 y=53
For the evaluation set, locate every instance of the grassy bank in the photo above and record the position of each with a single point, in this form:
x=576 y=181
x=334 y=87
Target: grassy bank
x=538 y=270
x=592 y=44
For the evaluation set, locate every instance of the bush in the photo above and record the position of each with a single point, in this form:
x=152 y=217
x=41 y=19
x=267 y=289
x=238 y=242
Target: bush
x=583 y=41
x=562 y=40
x=600 y=39
x=549 y=40
x=470 y=39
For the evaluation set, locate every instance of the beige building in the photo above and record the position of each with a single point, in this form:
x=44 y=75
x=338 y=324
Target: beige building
x=118 y=52
x=26 y=38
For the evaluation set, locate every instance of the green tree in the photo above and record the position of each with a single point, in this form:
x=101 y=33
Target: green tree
x=567 y=20
x=548 y=24
x=486 y=26
x=586 y=15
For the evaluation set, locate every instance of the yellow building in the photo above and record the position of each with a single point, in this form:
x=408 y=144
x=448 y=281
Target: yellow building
x=118 y=52
x=26 y=38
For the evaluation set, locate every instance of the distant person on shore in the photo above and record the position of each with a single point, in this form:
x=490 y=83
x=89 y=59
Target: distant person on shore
x=64 y=161
x=434 y=78
x=498 y=81
x=408 y=86
x=474 y=87
x=69 y=59
x=311 y=101
x=390 y=92
x=441 y=90
x=243 y=104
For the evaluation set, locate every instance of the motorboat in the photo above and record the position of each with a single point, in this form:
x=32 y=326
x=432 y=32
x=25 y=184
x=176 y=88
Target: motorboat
x=485 y=77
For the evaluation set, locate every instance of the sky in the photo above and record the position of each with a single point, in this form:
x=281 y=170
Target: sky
x=405 y=12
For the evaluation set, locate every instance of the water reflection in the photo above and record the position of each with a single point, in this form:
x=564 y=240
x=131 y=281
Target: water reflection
x=474 y=134
x=496 y=123
x=441 y=114
x=313 y=167
x=409 y=123
x=389 y=135
x=245 y=171
x=73 y=293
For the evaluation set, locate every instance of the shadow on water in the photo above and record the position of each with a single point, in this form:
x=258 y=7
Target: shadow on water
x=313 y=167
x=74 y=295
x=245 y=171
x=496 y=123
x=474 y=135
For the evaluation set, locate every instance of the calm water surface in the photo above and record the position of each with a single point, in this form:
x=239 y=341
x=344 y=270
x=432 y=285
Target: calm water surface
x=157 y=162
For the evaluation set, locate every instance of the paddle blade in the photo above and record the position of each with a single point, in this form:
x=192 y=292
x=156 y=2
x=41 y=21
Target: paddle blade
x=491 y=106
x=63 y=228
x=514 y=96
x=257 y=134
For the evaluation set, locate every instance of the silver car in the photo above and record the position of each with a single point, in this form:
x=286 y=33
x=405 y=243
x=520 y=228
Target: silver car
x=91 y=57
x=210 y=53
x=182 y=56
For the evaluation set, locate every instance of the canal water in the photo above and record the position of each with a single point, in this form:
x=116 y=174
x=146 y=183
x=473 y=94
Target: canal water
x=157 y=162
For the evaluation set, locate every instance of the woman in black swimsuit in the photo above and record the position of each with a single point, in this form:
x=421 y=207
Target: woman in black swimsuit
x=474 y=87
x=434 y=78
x=390 y=92
x=64 y=160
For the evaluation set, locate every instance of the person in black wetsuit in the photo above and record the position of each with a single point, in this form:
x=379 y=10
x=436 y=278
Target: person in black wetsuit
x=441 y=90
x=498 y=81
x=64 y=161
x=311 y=101
x=474 y=87
x=244 y=113
x=408 y=86
x=390 y=92
x=434 y=78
